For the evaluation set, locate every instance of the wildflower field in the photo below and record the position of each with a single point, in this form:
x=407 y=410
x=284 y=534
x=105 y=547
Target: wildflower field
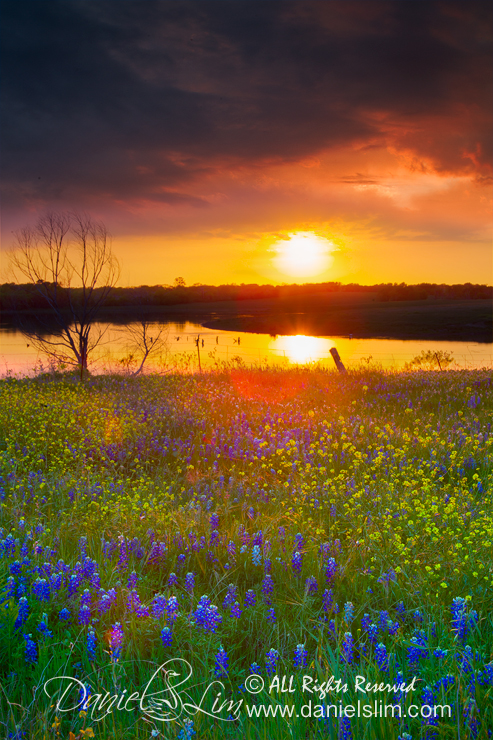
x=254 y=547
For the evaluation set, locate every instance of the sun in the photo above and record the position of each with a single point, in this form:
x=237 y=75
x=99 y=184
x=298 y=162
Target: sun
x=303 y=254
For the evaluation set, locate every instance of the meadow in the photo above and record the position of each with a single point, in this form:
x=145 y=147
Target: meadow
x=272 y=537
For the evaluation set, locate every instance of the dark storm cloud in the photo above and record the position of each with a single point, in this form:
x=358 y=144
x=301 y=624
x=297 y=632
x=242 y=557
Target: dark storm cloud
x=134 y=99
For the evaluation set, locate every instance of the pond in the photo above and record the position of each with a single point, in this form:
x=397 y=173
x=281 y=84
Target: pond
x=180 y=351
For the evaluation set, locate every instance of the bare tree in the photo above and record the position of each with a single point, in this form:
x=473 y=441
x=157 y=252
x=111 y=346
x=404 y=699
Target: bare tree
x=68 y=258
x=142 y=346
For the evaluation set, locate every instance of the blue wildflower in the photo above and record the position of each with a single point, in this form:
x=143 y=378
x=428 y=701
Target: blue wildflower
x=166 y=636
x=382 y=657
x=297 y=562
x=347 y=648
x=250 y=598
x=348 y=612
x=31 y=650
x=221 y=667
x=91 y=645
x=256 y=555
x=300 y=655
x=271 y=658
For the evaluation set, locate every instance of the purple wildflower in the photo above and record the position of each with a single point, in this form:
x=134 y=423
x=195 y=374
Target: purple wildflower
x=221 y=667
x=166 y=636
x=300 y=655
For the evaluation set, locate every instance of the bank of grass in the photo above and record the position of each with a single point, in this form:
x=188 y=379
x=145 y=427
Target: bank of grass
x=356 y=509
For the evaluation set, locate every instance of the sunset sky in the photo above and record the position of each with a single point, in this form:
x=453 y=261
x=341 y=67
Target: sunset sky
x=257 y=140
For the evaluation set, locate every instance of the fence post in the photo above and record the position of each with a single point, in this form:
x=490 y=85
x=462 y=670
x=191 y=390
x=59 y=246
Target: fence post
x=337 y=360
x=198 y=351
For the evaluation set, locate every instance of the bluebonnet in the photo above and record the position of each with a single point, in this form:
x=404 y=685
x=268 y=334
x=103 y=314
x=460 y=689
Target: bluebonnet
x=418 y=649
x=85 y=599
x=158 y=606
x=172 y=580
x=132 y=580
x=91 y=645
x=116 y=642
x=271 y=615
x=221 y=668
x=347 y=648
x=256 y=555
x=255 y=668
x=64 y=614
x=232 y=551
x=104 y=604
x=271 y=658
x=41 y=589
x=123 y=552
x=439 y=653
x=207 y=615
x=382 y=657
x=73 y=584
x=231 y=596
x=84 y=615
x=22 y=614
x=166 y=636
x=190 y=582
x=427 y=699
x=214 y=520
x=327 y=600
x=372 y=632
x=365 y=622
x=250 y=598
x=172 y=608
x=31 y=650
x=400 y=608
x=393 y=627
x=267 y=585
x=236 y=610
x=56 y=581
x=300 y=655
x=345 y=732
x=10 y=588
x=188 y=731
x=311 y=585
x=43 y=628
x=348 y=612
x=330 y=569
x=15 y=568
x=297 y=562
x=383 y=620
x=459 y=621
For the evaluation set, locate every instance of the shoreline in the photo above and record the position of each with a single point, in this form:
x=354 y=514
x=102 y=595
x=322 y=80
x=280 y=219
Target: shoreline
x=440 y=320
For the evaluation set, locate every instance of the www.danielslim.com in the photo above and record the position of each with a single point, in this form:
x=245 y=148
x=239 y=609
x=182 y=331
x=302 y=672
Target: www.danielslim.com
x=340 y=710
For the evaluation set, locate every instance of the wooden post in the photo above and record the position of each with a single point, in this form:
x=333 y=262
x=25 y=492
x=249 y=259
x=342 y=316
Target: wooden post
x=197 y=341
x=337 y=360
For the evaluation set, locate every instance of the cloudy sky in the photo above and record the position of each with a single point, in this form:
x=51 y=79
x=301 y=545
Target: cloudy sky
x=257 y=140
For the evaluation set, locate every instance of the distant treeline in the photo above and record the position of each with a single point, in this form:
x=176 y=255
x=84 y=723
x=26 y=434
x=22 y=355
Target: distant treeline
x=15 y=297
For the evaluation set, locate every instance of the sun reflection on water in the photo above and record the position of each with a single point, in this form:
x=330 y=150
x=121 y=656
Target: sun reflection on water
x=301 y=349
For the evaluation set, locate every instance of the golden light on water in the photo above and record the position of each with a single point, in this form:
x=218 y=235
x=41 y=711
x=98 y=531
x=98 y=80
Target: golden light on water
x=301 y=349
x=303 y=254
